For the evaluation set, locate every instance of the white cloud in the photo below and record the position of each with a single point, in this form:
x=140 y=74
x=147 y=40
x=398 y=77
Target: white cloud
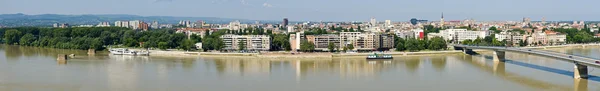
x=267 y=5
x=244 y=2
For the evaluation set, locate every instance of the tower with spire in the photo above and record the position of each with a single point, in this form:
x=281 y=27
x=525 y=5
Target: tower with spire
x=442 y=20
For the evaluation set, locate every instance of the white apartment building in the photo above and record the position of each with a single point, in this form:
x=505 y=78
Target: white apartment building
x=103 y=24
x=253 y=42
x=290 y=28
x=121 y=24
x=405 y=34
x=154 y=25
x=235 y=25
x=457 y=35
x=135 y=24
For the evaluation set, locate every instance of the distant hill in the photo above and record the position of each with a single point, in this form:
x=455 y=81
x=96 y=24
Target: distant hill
x=14 y=20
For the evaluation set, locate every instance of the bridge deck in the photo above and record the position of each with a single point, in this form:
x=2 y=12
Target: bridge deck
x=564 y=57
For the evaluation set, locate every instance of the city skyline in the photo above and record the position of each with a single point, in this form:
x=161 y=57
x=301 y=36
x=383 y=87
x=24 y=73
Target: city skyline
x=316 y=10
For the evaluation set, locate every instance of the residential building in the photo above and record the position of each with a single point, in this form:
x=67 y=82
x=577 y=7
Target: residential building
x=384 y=41
x=290 y=29
x=103 y=24
x=321 y=42
x=135 y=24
x=405 y=34
x=194 y=31
x=252 y=42
x=154 y=25
x=419 y=33
x=373 y=21
x=538 y=37
x=143 y=26
x=555 y=38
x=295 y=41
x=234 y=25
x=458 y=35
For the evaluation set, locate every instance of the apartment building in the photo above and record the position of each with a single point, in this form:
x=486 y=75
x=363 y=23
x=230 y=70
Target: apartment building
x=252 y=42
x=457 y=35
x=322 y=41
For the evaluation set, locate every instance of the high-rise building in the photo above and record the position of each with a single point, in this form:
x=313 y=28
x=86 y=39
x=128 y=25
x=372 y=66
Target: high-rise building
x=235 y=25
x=373 y=21
x=143 y=26
x=285 y=22
x=103 y=24
x=55 y=25
x=118 y=24
x=290 y=29
x=154 y=25
x=135 y=24
x=543 y=20
x=526 y=20
x=388 y=22
x=384 y=41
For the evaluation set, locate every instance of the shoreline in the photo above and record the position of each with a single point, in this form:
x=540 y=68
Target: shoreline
x=280 y=54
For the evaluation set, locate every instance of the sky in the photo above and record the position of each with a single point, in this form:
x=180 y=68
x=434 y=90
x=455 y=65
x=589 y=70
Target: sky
x=321 y=10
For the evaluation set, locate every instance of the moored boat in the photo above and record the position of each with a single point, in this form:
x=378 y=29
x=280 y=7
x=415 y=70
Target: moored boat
x=124 y=51
x=379 y=56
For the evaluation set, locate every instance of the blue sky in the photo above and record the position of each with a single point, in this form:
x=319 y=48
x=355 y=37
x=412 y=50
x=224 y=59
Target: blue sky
x=315 y=10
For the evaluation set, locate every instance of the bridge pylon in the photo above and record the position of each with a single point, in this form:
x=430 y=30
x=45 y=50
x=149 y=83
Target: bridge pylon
x=499 y=56
x=580 y=71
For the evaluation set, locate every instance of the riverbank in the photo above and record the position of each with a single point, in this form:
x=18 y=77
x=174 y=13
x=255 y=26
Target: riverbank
x=282 y=54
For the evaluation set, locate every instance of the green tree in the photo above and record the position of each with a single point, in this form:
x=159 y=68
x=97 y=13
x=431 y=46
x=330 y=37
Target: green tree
x=493 y=28
x=242 y=45
x=437 y=43
x=467 y=42
x=163 y=45
x=12 y=36
x=280 y=42
x=195 y=38
x=400 y=46
x=422 y=44
x=477 y=41
x=187 y=45
x=523 y=43
x=412 y=44
x=130 y=42
x=360 y=29
x=96 y=44
x=331 y=47
x=351 y=47
x=27 y=40
x=306 y=46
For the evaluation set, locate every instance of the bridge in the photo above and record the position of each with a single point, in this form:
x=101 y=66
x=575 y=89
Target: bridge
x=581 y=63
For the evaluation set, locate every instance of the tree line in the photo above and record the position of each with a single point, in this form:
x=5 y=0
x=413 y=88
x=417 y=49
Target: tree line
x=95 y=38
x=414 y=44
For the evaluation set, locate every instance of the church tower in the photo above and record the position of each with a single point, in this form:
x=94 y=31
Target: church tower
x=442 y=20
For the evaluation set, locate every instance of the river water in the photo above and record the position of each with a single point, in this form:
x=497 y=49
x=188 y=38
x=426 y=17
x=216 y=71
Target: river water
x=36 y=69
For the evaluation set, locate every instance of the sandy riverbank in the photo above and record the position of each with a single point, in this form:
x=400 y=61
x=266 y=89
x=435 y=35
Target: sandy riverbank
x=177 y=53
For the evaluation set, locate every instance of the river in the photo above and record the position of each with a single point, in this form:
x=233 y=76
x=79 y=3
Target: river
x=36 y=69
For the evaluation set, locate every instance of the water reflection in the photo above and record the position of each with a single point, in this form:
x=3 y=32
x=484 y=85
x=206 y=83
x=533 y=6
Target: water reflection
x=580 y=85
x=416 y=73
x=499 y=69
x=16 y=52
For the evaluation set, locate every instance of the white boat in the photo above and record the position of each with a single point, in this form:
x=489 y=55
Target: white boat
x=123 y=51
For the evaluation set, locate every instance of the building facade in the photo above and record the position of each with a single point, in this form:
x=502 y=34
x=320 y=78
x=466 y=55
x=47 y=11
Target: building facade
x=252 y=42
x=321 y=42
